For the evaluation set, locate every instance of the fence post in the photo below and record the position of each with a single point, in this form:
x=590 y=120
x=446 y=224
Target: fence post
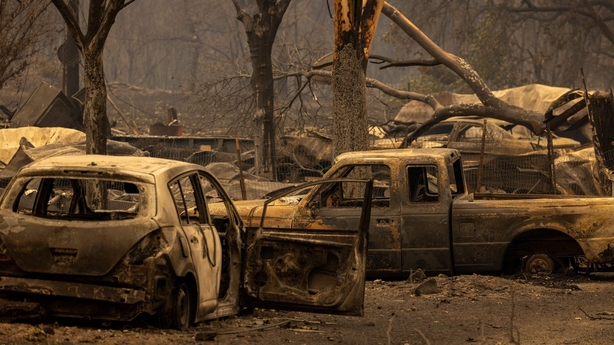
x=551 y=159
x=241 y=178
x=480 y=166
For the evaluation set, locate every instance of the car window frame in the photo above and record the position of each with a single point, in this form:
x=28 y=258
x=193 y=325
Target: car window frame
x=203 y=214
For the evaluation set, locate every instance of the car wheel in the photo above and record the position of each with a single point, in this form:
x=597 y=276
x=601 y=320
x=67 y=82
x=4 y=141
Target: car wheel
x=177 y=311
x=541 y=264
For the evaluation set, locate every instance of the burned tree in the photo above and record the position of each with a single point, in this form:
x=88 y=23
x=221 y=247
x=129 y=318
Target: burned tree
x=101 y=16
x=261 y=29
x=355 y=24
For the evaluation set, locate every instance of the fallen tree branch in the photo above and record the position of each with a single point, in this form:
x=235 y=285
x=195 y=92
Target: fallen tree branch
x=444 y=113
x=440 y=112
x=493 y=106
x=595 y=317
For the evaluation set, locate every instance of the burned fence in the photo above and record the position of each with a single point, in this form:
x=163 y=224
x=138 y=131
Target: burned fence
x=572 y=172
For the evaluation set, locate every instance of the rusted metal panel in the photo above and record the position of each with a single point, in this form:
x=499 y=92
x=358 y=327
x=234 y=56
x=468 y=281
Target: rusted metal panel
x=498 y=223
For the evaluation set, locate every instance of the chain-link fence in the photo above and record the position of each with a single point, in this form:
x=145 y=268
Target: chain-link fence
x=571 y=172
x=300 y=159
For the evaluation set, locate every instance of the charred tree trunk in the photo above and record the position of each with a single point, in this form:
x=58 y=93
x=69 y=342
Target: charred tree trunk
x=350 y=125
x=95 y=118
x=100 y=18
x=263 y=88
x=354 y=29
x=261 y=29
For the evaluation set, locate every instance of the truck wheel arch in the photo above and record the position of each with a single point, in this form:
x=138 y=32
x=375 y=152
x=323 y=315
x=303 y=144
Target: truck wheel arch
x=555 y=243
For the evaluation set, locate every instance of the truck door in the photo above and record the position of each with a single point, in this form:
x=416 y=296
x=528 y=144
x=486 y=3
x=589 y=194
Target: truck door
x=425 y=220
x=339 y=206
x=316 y=270
x=203 y=239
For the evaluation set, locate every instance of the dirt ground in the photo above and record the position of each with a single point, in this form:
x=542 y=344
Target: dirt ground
x=464 y=309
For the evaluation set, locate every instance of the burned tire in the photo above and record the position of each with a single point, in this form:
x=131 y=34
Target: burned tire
x=541 y=264
x=177 y=312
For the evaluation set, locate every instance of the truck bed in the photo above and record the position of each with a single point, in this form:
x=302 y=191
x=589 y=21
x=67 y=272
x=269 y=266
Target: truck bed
x=490 y=230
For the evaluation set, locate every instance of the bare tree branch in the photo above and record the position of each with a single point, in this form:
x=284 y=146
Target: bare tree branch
x=23 y=32
x=589 y=11
x=402 y=94
x=126 y=4
x=401 y=63
x=599 y=21
x=110 y=12
x=71 y=22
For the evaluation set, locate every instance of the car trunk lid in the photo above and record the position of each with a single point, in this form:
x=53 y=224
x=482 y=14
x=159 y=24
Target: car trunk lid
x=40 y=245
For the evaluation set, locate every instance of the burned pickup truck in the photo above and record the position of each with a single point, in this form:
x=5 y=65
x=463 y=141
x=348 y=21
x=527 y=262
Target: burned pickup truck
x=423 y=217
x=114 y=237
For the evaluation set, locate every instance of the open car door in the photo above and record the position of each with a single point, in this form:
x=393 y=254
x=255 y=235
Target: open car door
x=315 y=270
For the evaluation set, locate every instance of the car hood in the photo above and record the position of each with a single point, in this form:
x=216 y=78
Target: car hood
x=281 y=213
x=40 y=245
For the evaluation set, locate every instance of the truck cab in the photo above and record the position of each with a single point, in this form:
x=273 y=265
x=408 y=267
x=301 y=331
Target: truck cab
x=412 y=197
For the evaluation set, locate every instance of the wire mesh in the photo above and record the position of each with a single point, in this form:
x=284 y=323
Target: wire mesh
x=300 y=159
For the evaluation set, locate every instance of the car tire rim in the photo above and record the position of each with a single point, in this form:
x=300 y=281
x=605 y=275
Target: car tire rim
x=539 y=264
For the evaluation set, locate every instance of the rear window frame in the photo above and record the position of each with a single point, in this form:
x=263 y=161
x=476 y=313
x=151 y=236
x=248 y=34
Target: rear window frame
x=17 y=188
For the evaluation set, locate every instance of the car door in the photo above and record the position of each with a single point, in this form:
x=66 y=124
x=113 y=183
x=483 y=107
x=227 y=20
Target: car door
x=426 y=217
x=339 y=207
x=316 y=270
x=203 y=239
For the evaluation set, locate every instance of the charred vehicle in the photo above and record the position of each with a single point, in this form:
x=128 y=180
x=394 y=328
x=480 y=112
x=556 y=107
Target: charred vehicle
x=423 y=217
x=115 y=237
x=500 y=137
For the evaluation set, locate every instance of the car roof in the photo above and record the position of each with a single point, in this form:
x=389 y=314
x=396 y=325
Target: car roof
x=476 y=120
x=126 y=165
x=375 y=155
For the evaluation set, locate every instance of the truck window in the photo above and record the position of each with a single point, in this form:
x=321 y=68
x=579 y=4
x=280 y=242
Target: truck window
x=455 y=173
x=422 y=182
x=349 y=194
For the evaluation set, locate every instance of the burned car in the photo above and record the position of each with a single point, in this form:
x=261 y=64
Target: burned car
x=501 y=137
x=112 y=238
